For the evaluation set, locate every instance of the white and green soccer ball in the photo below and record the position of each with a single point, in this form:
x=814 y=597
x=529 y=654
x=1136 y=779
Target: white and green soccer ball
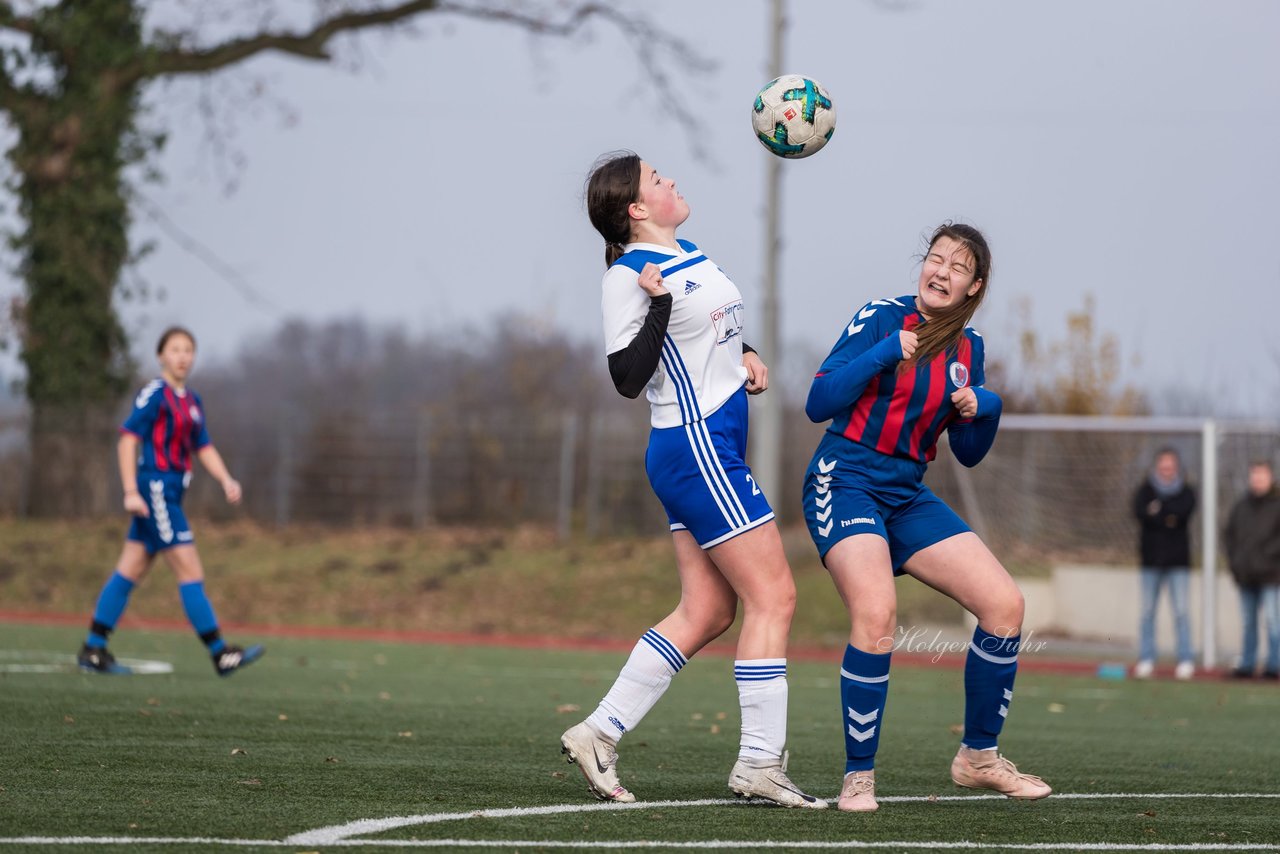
x=793 y=116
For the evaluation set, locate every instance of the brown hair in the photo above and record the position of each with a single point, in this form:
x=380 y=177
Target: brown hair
x=172 y=331
x=945 y=329
x=613 y=185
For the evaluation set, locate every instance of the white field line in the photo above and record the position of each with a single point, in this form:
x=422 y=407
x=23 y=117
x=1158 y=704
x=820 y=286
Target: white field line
x=341 y=835
x=711 y=844
x=37 y=661
x=336 y=833
x=329 y=835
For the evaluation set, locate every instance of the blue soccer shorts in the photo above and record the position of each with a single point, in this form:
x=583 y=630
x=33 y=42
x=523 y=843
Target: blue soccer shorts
x=698 y=473
x=852 y=489
x=166 y=526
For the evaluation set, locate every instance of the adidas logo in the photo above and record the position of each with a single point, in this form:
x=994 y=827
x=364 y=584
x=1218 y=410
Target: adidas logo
x=690 y=287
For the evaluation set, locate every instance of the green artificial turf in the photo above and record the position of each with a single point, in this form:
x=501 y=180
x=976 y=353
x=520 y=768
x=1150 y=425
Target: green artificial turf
x=323 y=732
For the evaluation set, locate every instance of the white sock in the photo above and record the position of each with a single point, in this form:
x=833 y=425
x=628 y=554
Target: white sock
x=762 y=693
x=643 y=680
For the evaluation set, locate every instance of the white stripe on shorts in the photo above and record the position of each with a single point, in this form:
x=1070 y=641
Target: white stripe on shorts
x=720 y=489
x=747 y=527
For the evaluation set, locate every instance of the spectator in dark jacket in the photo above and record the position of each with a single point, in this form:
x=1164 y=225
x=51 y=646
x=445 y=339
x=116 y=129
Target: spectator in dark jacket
x=1163 y=504
x=1253 y=552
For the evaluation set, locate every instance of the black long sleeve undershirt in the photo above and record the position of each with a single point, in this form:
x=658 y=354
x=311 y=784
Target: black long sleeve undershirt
x=632 y=367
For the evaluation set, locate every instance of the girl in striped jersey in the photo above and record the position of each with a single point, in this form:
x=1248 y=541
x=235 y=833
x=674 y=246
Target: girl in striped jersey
x=673 y=327
x=902 y=371
x=163 y=432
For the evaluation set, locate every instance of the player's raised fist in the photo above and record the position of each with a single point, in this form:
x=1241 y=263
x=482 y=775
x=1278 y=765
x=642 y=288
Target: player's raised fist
x=909 y=342
x=966 y=401
x=651 y=280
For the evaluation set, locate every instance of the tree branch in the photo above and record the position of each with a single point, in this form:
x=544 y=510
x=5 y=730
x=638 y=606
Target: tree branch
x=314 y=43
x=11 y=20
x=18 y=102
x=309 y=45
x=653 y=46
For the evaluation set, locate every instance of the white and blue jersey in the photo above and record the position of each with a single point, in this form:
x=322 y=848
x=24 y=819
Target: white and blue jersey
x=701 y=363
x=697 y=402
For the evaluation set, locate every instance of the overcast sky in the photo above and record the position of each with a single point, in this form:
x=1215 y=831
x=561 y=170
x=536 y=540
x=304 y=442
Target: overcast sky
x=1127 y=149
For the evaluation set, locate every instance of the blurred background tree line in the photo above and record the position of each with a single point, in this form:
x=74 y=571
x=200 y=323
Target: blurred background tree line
x=348 y=423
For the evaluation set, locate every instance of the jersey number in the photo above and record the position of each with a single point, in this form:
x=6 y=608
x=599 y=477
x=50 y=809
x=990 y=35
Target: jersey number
x=755 y=490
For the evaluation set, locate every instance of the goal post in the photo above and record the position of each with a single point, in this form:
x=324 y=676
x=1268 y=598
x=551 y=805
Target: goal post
x=1057 y=489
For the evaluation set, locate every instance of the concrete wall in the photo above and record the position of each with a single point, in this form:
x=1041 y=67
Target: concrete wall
x=1101 y=603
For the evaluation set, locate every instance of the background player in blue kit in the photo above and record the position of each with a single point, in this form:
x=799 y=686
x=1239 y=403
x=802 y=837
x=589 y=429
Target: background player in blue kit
x=673 y=326
x=157 y=442
x=904 y=370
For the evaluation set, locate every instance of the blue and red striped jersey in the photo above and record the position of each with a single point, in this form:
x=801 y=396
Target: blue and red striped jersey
x=169 y=425
x=870 y=401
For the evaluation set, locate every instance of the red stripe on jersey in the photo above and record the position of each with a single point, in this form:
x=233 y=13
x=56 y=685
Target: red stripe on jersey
x=903 y=388
x=964 y=355
x=932 y=402
x=157 y=441
x=175 y=437
x=895 y=418
x=862 y=412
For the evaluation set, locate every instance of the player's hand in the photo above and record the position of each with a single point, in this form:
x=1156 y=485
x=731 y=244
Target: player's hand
x=651 y=280
x=909 y=342
x=964 y=400
x=757 y=373
x=231 y=488
x=134 y=505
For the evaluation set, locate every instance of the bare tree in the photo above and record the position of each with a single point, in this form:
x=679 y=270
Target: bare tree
x=72 y=77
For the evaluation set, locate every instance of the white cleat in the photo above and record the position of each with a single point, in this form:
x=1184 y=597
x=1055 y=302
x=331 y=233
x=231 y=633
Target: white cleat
x=597 y=758
x=767 y=778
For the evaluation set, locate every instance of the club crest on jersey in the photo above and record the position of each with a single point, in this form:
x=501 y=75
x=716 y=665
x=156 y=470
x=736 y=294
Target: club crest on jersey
x=195 y=413
x=959 y=374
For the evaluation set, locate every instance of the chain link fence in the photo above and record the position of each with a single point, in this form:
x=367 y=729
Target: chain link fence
x=1051 y=490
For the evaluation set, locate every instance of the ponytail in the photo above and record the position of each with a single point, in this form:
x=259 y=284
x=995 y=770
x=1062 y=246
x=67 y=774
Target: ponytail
x=614 y=183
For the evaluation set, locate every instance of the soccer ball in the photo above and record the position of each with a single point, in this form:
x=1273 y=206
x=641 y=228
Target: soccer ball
x=793 y=116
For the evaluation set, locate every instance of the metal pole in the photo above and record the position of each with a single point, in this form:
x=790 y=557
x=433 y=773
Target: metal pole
x=422 y=471
x=568 y=446
x=284 y=471
x=1209 y=541
x=766 y=419
x=595 y=473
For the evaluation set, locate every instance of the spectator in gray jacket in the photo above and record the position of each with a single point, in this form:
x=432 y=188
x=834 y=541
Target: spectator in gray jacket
x=1253 y=551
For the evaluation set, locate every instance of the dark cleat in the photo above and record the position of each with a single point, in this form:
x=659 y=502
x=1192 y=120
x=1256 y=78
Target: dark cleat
x=97 y=659
x=232 y=658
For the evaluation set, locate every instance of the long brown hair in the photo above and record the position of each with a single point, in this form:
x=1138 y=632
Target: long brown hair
x=944 y=329
x=614 y=184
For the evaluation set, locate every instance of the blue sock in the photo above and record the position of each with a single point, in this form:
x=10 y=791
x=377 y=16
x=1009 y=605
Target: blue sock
x=111 y=604
x=200 y=613
x=989 y=669
x=864 y=687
